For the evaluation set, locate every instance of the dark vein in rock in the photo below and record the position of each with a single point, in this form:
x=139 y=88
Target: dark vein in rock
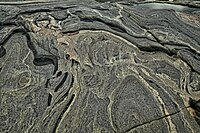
x=62 y=113
x=148 y=122
x=61 y=82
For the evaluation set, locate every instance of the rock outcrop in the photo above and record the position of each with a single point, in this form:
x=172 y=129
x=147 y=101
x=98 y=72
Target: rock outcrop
x=100 y=66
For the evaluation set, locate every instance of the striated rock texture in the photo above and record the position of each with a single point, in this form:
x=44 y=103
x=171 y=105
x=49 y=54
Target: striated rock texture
x=100 y=66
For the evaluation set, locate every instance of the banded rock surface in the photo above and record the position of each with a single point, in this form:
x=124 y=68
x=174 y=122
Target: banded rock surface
x=99 y=66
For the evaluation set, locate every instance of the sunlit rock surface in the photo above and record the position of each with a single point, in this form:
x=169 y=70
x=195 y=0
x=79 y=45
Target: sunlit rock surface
x=100 y=66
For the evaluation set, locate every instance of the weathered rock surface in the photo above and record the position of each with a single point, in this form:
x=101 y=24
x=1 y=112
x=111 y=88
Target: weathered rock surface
x=100 y=66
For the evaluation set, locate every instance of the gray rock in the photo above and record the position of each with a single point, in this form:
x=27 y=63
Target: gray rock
x=108 y=66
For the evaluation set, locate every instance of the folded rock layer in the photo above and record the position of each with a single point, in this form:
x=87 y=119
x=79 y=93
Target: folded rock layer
x=99 y=66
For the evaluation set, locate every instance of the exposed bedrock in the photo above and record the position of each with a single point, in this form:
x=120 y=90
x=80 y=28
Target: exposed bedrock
x=99 y=66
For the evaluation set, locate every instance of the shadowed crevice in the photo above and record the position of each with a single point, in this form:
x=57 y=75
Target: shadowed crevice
x=61 y=82
x=2 y=51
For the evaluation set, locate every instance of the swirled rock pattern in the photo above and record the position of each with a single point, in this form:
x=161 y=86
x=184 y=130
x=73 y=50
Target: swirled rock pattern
x=100 y=66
